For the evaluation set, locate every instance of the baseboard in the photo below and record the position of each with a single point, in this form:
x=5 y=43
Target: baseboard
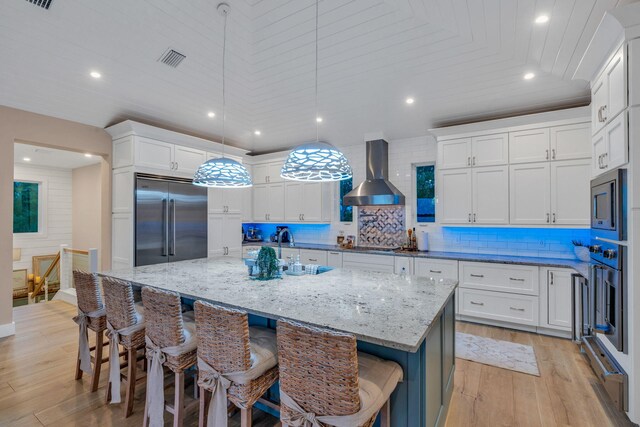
x=8 y=329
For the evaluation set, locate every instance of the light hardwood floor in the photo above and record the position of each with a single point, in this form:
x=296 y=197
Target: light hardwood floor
x=37 y=386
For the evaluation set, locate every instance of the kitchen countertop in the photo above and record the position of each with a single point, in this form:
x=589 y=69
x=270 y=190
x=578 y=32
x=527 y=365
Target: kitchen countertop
x=579 y=266
x=385 y=309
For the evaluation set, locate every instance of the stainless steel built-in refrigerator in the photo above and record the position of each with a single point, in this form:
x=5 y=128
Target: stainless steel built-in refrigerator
x=171 y=220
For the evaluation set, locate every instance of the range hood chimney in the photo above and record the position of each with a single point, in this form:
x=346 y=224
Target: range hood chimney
x=376 y=189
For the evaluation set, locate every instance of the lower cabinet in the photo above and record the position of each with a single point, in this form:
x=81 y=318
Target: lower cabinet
x=368 y=262
x=334 y=259
x=403 y=265
x=311 y=256
x=436 y=268
x=556 y=313
x=500 y=306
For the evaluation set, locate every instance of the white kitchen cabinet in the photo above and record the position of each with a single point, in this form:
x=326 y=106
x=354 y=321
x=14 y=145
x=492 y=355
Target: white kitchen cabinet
x=530 y=194
x=293 y=193
x=555 y=307
x=610 y=146
x=529 y=146
x=187 y=160
x=334 y=259
x=498 y=306
x=368 y=262
x=268 y=202
x=436 y=268
x=265 y=173
x=225 y=235
x=313 y=256
x=599 y=97
x=247 y=204
x=403 y=265
x=455 y=196
x=490 y=150
x=313 y=201
x=123 y=184
x=599 y=149
x=225 y=200
x=490 y=190
x=516 y=279
x=289 y=252
x=455 y=153
x=609 y=92
x=570 y=142
x=150 y=153
x=570 y=192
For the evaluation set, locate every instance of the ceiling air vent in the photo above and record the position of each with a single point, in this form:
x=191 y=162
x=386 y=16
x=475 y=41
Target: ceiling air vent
x=45 y=4
x=172 y=58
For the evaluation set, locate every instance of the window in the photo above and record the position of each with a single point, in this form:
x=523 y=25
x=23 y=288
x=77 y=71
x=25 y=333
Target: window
x=346 y=212
x=25 y=207
x=425 y=194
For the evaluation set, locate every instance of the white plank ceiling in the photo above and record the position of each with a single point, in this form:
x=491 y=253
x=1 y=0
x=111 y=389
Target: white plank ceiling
x=460 y=60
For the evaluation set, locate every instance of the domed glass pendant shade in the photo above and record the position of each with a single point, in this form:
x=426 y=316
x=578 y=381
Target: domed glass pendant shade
x=222 y=172
x=316 y=161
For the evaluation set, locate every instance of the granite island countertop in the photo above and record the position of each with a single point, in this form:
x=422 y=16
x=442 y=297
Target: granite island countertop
x=579 y=266
x=385 y=309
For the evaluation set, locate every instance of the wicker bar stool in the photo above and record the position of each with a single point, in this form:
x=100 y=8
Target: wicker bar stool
x=236 y=361
x=125 y=324
x=91 y=315
x=171 y=343
x=324 y=380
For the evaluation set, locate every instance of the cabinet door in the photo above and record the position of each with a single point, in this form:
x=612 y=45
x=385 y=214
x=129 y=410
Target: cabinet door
x=529 y=190
x=570 y=142
x=454 y=196
x=334 y=259
x=293 y=203
x=188 y=160
x=454 y=154
x=529 y=146
x=260 y=202
x=312 y=199
x=616 y=82
x=570 y=192
x=433 y=374
x=403 y=265
x=490 y=150
x=276 y=202
x=617 y=147
x=153 y=154
x=215 y=229
x=491 y=195
x=599 y=151
x=559 y=298
x=599 y=99
x=234 y=199
x=247 y=204
x=436 y=268
x=232 y=235
x=260 y=173
x=216 y=203
x=273 y=171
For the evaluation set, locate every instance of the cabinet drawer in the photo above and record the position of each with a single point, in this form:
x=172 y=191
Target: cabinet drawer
x=379 y=263
x=309 y=256
x=519 y=279
x=522 y=309
x=438 y=269
x=334 y=259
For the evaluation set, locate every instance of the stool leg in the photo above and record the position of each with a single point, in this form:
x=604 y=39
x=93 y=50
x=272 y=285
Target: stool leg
x=202 y=417
x=178 y=406
x=385 y=415
x=246 y=417
x=97 y=361
x=131 y=380
x=78 y=370
x=145 y=420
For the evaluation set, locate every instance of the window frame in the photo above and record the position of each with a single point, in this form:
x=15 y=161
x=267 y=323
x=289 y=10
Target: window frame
x=42 y=207
x=353 y=211
x=414 y=192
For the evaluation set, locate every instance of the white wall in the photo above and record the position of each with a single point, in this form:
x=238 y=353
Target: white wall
x=56 y=220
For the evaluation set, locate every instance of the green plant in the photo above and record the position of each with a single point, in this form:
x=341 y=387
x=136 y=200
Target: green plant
x=267 y=263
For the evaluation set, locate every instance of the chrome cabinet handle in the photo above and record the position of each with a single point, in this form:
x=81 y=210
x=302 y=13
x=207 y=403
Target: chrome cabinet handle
x=177 y=165
x=605 y=156
x=604 y=115
x=516 y=279
x=554 y=217
x=600 y=115
x=313 y=259
x=546 y=156
x=468 y=161
x=473 y=162
x=334 y=253
x=516 y=309
x=469 y=217
x=474 y=217
x=551 y=278
x=476 y=303
x=435 y=271
x=553 y=153
x=476 y=275
x=547 y=218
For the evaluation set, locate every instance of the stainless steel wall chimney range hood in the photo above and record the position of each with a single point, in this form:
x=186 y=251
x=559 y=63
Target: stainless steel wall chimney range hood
x=376 y=189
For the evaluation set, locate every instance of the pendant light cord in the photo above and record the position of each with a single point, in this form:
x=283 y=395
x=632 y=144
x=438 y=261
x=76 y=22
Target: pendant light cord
x=224 y=100
x=316 y=76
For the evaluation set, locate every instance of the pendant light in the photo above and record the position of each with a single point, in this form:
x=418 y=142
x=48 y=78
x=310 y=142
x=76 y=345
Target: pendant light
x=316 y=161
x=222 y=171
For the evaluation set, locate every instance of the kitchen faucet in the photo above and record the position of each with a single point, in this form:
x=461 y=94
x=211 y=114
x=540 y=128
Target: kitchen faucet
x=291 y=240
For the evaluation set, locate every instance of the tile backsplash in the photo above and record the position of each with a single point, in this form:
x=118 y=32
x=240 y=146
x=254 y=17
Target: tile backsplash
x=381 y=226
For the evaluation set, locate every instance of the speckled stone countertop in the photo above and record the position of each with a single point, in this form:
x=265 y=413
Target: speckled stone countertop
x=380 y=308
x=579 y=266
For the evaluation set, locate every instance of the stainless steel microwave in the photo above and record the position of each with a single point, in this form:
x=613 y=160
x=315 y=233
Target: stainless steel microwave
x=608 y=205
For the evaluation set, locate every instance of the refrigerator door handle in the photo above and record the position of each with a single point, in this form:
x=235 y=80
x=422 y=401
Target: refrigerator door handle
x=164 y=227
x=172 y=227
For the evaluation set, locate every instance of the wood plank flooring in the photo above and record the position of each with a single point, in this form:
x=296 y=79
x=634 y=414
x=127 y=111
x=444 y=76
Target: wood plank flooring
x=37 y=386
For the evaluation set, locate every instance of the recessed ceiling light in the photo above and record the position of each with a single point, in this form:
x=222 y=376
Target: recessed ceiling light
x=409 y=100
x=211 y=114
x=542 y=19
x=95 y=74
x=319 y=119
x=88 y=155
x=26 y=159
x=257 y=132
x=529 y=76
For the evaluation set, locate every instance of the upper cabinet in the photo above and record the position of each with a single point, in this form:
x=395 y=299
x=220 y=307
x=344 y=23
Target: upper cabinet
x=486 y=150
x=609 y=92
x=265 y=173
x=566 y=142
x=529 y=146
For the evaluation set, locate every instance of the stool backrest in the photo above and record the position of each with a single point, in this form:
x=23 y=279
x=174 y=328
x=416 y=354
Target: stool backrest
x=318 y=368
x=119 y=303
x=87 y=291
x=163 y=317
x=223 y=337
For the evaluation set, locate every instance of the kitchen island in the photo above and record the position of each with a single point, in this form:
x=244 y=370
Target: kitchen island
x=407 y=319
